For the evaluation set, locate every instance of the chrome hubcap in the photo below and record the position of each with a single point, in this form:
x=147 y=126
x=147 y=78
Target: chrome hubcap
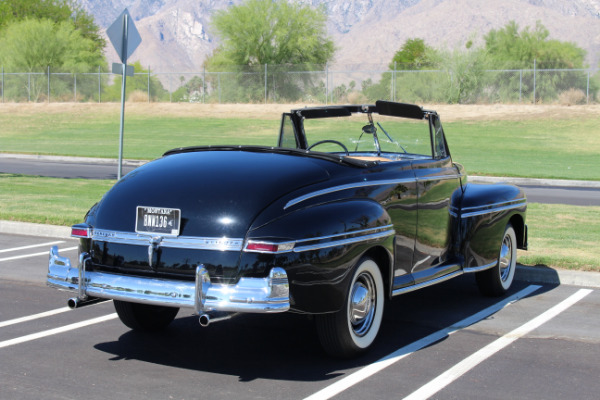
x=505 y=260
x=362 y=304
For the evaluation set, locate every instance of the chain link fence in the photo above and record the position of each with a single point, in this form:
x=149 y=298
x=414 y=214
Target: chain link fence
x=313 y=84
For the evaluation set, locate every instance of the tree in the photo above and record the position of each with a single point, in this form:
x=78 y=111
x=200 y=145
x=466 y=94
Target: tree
x=12 y=11
x=414 y=54
x=274 y=32
x=34 y=45
x=259 y=32
x=401 y=84
x=510 y=48
x=464 y=72
x=38 y=45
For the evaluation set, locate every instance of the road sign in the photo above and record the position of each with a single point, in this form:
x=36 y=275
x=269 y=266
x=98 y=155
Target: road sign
x=118 y=69
x=124 y=36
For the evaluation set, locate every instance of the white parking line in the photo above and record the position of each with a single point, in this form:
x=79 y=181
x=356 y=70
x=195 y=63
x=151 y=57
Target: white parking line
x=452 y=374
x=407 y=350
x=34 y=316
x=31 y=246
x=55 y=331
x=35 y=254
x=40 y=315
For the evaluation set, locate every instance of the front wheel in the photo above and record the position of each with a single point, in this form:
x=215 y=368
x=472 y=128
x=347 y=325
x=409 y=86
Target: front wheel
x=497 y=280
x=144 y=317
x=353 y=329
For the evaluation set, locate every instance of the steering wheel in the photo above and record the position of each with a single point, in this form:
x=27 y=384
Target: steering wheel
x=330 y=141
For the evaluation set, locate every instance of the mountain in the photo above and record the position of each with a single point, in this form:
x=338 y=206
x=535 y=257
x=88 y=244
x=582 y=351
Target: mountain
x=177 y=36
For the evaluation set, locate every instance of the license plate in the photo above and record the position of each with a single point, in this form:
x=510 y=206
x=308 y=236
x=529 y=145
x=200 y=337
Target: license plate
x=158 y=220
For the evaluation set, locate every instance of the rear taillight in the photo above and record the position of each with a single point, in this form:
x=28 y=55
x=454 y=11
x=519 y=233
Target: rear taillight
x=83 y=231
x=268 y=247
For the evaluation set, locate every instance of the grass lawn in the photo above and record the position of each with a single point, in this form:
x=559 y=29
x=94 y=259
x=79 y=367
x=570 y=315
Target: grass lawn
x=561 y=143
x=559 y=236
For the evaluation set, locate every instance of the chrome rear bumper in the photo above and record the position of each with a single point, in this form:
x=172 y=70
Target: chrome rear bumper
x=252 y=295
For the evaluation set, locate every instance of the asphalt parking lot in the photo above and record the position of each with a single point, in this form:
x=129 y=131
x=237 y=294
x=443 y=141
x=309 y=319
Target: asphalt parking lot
x=446 y=342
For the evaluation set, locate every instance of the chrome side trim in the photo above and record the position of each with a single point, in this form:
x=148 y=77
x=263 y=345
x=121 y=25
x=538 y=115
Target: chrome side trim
x=322 y=242
x=355 y=185
x=426 y=283
x=255 y=295
x=182 y=242
x=492 y=208
x=352 y=233
x=334 y=189
x=471 y=270
x=343 y=242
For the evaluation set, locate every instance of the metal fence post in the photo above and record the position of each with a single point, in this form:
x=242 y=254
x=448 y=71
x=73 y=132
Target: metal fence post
x=265 y=83
x=520 y=85
x=148 y=84
x=48 y=84
x=3 y=84
x=587 y=89
x=29 y=87
x=394 y=83
x=219 y=85
x=534 y=77
x=204 y=85
x=326 y=82
x=74 y=87
x=99 y=85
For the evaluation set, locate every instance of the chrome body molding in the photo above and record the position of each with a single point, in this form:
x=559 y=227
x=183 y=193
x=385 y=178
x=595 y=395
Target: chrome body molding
x=251 y=295
x=344 y=239
x=427 y=283
x=324 y=242
x=491 y=208
x=181 y=242
x=357 y=185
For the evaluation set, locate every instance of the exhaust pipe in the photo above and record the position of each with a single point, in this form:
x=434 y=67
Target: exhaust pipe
x=208 y=318
x=76 y=302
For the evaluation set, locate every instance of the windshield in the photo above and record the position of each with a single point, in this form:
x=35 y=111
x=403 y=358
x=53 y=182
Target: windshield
x=369 y=133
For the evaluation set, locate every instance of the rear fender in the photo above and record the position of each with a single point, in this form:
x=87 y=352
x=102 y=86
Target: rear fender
x=321 y=245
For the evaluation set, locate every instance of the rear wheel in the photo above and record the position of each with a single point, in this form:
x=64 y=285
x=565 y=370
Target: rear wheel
x=353 y=329
x=497 y=280
x=144 y=317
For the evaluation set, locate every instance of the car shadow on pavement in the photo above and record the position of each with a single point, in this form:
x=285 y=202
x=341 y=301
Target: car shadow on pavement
x=286 y=346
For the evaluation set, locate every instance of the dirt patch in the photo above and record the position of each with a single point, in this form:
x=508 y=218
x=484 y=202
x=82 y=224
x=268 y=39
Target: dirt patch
x=449 y=113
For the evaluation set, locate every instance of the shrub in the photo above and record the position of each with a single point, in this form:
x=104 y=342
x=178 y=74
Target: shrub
x=571 y=97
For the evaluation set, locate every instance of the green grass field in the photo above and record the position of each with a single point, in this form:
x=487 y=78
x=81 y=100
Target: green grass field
x=560 y=147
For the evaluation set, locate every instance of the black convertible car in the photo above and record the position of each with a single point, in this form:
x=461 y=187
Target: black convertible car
x=355 y=205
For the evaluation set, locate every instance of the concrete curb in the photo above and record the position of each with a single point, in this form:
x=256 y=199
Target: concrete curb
x=543 y=275
x=31 y=229
x=553 y=276
x=536 y=182
x=67 y=159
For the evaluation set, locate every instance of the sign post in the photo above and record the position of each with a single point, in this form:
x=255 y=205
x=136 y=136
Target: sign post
x=125 y=38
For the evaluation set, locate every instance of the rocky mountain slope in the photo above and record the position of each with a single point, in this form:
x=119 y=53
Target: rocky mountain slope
x=177 y=36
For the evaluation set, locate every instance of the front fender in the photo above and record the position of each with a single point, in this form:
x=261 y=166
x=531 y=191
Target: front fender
x=323 y=243
x=484 y=211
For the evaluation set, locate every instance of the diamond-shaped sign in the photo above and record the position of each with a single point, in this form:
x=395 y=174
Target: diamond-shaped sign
x=124 y=36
